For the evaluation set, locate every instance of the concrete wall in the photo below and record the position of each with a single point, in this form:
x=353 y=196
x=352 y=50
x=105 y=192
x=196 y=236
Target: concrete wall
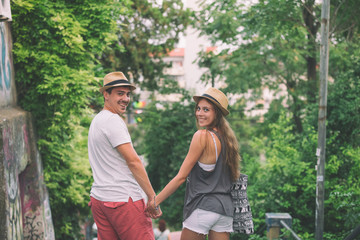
x=24 y=202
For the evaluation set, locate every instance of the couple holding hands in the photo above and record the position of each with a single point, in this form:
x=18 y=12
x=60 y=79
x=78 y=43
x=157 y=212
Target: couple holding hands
x=120 y=178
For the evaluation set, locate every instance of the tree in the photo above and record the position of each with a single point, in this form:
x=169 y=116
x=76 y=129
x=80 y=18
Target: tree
x=271 y=43
x=147 y=32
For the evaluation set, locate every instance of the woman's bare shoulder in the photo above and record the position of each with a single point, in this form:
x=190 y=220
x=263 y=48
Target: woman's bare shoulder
x=200 y=133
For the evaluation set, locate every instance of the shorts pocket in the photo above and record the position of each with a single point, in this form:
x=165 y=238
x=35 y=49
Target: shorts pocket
x=114 y=204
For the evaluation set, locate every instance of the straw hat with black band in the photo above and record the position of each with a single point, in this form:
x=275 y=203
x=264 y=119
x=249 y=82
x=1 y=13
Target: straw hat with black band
x=217 y=97
x=116 y=79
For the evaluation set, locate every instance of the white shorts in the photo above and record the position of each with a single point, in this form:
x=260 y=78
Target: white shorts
x=202 y=221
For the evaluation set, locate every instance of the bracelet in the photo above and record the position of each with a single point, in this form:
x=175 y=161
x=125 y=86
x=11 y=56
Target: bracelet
x=156 y=207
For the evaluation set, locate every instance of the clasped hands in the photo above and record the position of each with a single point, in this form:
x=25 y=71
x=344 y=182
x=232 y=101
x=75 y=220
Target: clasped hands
x=151 y=210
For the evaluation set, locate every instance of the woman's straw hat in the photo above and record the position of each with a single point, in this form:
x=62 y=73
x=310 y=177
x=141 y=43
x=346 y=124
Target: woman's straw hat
x=116 y=79
x=217 y=97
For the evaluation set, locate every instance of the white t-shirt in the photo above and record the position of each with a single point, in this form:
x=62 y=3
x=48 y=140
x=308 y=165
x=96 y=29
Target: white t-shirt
x=113 y=180
x=161 y=235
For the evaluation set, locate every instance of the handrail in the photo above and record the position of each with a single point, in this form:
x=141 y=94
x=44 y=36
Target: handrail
x=288 y=228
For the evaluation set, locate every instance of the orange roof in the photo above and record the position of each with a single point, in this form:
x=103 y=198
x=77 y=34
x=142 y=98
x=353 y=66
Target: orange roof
x=211 y=49
x=180 y=52
x=177 y=52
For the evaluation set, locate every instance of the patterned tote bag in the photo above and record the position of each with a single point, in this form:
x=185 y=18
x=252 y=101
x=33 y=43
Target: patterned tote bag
x=243 y=222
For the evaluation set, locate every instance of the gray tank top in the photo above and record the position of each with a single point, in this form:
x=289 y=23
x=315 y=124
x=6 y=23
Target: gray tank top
x=209 y=190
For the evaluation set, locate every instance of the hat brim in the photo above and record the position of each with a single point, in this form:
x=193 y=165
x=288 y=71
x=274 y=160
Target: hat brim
x=132 y=88
x=222 y=109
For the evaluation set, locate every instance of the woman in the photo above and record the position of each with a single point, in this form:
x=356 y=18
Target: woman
x=211 y=165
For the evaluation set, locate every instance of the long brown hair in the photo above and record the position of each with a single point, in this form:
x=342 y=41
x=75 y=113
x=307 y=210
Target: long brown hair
x=232 y=158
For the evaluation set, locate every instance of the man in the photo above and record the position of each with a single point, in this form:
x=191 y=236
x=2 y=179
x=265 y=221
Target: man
x=119 y=176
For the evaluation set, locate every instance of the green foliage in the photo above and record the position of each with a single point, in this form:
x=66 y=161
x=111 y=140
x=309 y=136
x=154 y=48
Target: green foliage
x=343 y=148
x=341 y=187
x=344 y=191
x=344 y=101
x=147 y=32
x=168 y=132
x=285 y=181
x=267 y=44
x=272 y=43
x=344 y=20
x=244 y=130
x=69 y=185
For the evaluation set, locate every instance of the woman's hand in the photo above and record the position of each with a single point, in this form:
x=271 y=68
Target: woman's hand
x=152 y=210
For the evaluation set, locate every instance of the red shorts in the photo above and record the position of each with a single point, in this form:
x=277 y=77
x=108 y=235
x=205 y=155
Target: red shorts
x=121 y=220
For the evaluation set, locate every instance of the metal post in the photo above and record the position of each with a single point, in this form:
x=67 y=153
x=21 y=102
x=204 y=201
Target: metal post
x=320 y=153
x=273 y=223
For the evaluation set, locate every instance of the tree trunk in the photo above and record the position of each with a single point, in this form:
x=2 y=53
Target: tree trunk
x=313 y=28
x=296 y=110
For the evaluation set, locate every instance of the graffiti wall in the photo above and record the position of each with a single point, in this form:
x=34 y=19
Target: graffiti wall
x=7 y=85
x=13 y=154
x=24 y=202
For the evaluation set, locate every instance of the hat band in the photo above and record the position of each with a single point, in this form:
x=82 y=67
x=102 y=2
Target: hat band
x=117 y=82
x=206 y=95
